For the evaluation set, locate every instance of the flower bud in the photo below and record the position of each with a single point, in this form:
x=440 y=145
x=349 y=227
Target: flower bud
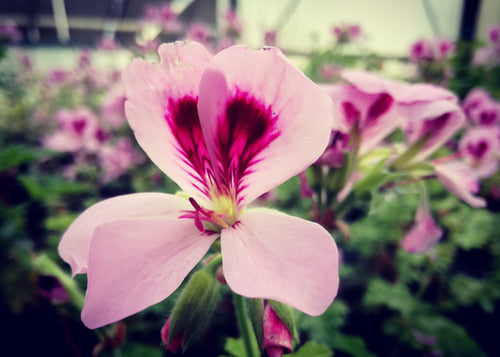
x=277 y=336
x=192 y=310
x=175 y=343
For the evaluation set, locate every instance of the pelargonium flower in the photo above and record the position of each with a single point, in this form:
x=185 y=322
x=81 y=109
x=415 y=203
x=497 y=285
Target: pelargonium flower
x=486 y=114
x=480 y=146
x=226 y=129
x=475 y=98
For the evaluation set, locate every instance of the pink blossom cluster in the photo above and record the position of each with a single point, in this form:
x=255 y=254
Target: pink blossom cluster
x=431 y=50
x=489 y=55
x=372 y=108
x=347 y=32
x=82 y=113
x=480 y=144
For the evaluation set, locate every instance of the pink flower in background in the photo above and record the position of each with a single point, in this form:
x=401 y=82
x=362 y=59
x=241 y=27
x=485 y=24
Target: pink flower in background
x=233 y=23
x=475 y=99
x=117 y=159
x=77 y=131
x=487 y=113
x=460 y=179
x=108 y=44
x=113 y=107
x=480 y=146
x=444 y=48
x=346 y=32
x=329 y=72
x=367 y=106
x=421 y=50
x=221 y=127
x=494 y=35
x=270 y=38
x=424 y=234
x=198 y=32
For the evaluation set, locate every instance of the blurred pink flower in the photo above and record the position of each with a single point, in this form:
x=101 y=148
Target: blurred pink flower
x=107 y=44
x=424 y=234
x=270 y=38
x=460 y=179
x=233 y=23
x=117 y=159
x=487 y=113
x=421 y=50
x=474 y=99
x=199 y=32
x=480 y=146
x=221 y=128
x=113 y=107
x=76 y=131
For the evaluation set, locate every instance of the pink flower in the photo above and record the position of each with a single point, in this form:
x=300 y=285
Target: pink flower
x=107 y=44
x=226 y=129
x=77 y=130
x=421 y=50
x=233 y=22
x=459 y=179
x=444 y=47
x=113 y=107
x=474 y=100
x=494 y=34
x=116 y=160
x=277 y=337
x=424 y=234
x=270 y=38
x=367 y=106
x=481 y=148
x=486 y=114
x=199 y=32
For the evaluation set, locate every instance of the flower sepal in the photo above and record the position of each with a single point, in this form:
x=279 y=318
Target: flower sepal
x=194 y=308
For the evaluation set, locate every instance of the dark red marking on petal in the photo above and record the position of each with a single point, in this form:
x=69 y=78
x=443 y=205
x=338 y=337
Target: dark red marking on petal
x=248 y=127
x=182 y=118
x=381 y=105
x=351 y=113
x=477 y=150
x=433 y=128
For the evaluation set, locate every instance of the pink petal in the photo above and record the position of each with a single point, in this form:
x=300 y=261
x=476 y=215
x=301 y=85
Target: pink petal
x=439 y=120
x=135 y=263
x=459 y=179
x=374 y=113
x=423 y=235
x=402 y=92
x=257 y=112
x=279 y=257
x=161 y=109
x=74 y=245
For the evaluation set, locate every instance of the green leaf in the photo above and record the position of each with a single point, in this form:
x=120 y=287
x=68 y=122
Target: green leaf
x=353 y=345
x=16 y=155
x=312 y=349
x=235 y=347
x=47 y=187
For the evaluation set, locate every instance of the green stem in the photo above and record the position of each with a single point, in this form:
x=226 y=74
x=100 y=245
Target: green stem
x=244 y=324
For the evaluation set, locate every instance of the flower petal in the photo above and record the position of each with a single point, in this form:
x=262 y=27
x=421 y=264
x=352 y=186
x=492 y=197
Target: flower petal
x=423 y=235
x=458 y=178
x=257 y=112
x=74 y=245
x=279 y=257
x=135 y=263
x=161 y=109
